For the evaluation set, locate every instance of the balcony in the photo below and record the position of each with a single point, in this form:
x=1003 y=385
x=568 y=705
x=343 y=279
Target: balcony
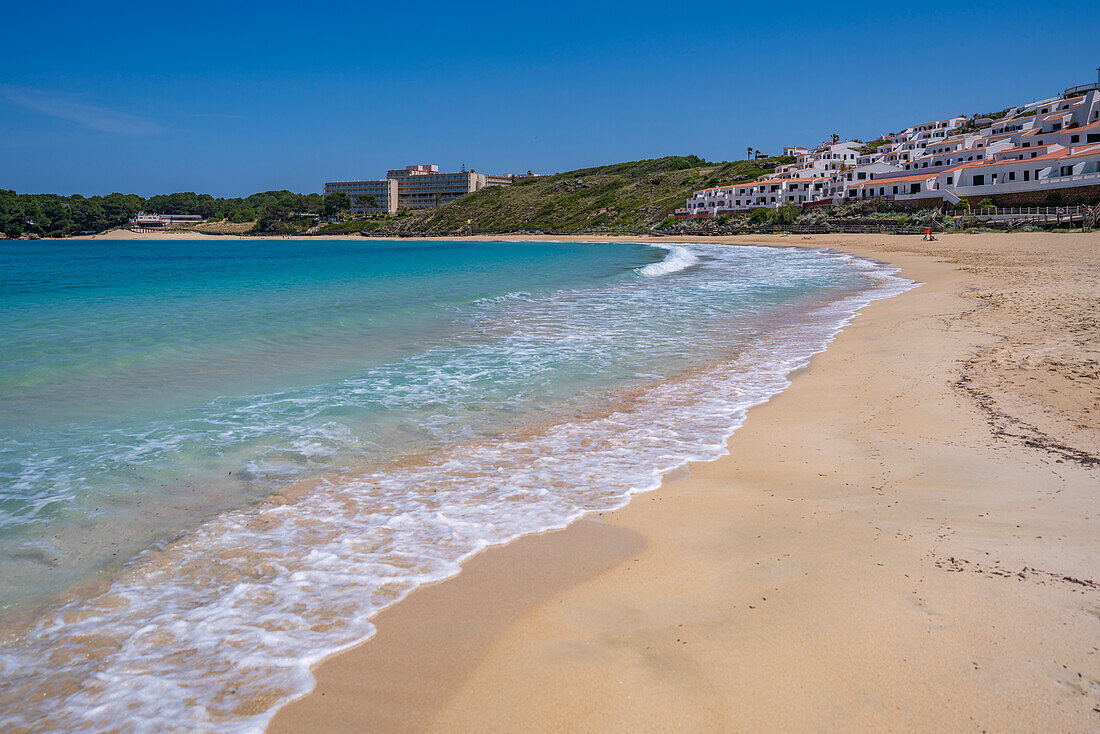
x=1065 y=180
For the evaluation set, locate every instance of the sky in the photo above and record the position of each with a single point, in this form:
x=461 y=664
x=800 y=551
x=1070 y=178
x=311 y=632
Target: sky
x=233 y=98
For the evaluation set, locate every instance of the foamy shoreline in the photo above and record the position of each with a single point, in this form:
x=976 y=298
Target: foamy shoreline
x=862 y=537
x=874 y=530
x=668 y=425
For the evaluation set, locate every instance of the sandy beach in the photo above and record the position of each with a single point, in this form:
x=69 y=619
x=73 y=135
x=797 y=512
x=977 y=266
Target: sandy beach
x=458 y=381
x=904 y=539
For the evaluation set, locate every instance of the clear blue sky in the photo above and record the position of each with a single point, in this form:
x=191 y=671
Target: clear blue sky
x=232 y=98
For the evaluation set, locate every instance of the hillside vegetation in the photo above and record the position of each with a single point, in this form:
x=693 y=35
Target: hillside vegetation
x=622 y=197
x=628 y=197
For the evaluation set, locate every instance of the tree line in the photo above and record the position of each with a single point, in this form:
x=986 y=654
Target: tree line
x=52 y=215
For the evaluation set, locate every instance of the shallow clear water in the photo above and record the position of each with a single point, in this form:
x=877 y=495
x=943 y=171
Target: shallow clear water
x=399 y=405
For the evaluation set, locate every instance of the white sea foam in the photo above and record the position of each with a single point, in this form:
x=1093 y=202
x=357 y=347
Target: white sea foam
x=505 y=297
x=678 y=258
x=190 y=636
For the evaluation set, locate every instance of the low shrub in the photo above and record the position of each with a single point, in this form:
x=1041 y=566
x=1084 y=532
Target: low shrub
x=763 y=215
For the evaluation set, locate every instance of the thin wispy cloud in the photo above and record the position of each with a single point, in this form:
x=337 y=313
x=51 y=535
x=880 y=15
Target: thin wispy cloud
x=212 y=115
x=67 y=107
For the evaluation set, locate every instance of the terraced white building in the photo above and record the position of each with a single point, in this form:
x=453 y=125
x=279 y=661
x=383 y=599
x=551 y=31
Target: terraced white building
x=1035 y=153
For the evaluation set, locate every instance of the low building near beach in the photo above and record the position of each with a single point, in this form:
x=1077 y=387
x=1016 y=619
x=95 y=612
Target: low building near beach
x=146 y=220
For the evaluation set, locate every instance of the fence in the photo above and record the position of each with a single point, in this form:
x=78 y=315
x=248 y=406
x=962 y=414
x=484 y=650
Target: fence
x=1025 y=211
x=1020 y=216
x=869 y=227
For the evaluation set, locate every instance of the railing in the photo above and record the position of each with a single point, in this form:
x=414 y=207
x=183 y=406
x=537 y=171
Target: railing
x=885 y=227
x=1050 y=180
x=1030 y=211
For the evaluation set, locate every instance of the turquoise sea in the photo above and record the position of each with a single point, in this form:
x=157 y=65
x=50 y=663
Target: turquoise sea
x=219 y=459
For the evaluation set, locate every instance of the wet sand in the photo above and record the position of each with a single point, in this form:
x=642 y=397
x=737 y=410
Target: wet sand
x=904 y=539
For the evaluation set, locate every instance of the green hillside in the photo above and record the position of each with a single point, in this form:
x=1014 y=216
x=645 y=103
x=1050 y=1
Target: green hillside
x=622 y=197
x=628 y=197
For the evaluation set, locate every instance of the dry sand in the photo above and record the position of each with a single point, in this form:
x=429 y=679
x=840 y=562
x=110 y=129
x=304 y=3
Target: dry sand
x=907 y=538
x=184 y=234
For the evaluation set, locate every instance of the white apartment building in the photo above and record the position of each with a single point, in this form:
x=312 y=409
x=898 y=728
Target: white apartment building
x=938 y=126
x=1043 y=146
x=1058 y=169
x=1017 y=170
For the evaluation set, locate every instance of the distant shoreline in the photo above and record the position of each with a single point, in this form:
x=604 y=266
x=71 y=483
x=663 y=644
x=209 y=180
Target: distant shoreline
x=126 y=234
x=122 y=234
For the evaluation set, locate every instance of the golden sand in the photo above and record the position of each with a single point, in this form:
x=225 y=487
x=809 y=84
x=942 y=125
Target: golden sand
x=906 y=539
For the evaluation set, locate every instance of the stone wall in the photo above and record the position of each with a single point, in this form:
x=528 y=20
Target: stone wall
x=1045 y=197
x=932 y=202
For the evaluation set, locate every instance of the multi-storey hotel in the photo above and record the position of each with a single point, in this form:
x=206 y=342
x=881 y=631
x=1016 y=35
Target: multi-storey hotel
x=372 y=197
x=424 y=187
x=413 y=187
x=1034 y=153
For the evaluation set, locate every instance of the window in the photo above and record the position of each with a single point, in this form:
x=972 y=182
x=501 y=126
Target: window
x=1027 y=175
x=979 y=181
x=950 y=180
x=914 y=188
x=1075 y=139
x=1011 y=175
x=1093 y=138
x=862 y=176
